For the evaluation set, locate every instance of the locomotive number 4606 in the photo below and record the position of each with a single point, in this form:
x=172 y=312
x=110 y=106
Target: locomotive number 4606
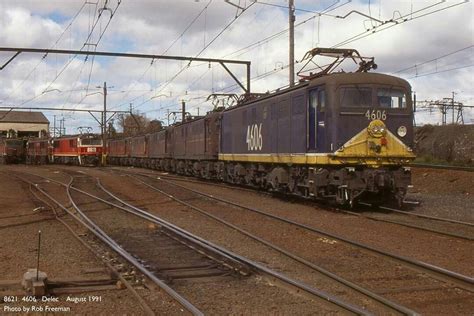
x=376 y=115
x=254 y=138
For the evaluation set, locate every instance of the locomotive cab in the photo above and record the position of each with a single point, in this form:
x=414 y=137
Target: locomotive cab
x=89 y=149
x=81 y=150
x=363 y=121
x=341 y=107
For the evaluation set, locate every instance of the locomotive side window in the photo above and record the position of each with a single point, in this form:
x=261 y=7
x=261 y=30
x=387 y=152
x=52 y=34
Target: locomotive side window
x=56 y=144
x=322 y=99
x=391 y=98
x=316 y=119
x=355 y=97
x=313 y=99
x=91 y=141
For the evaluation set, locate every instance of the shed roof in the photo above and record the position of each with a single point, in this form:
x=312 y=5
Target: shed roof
x=22 y=117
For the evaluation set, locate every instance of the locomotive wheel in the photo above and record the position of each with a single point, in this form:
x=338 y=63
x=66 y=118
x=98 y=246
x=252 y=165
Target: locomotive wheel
x=292 y=185
x=399 y=199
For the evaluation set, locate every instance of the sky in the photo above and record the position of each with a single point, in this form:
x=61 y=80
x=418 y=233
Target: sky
x=428 y=43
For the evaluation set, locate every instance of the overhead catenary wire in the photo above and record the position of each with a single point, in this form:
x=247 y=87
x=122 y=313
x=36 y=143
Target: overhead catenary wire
x=96 y=44
x=45 y=55
x=85 y=59
x=361 y=35
x=68 y=63
x=278 y=34
x=395 y=22
x=165 y=84
x=164 y=52
x=358 y=37
x=434 y=59
x=261 y=42
x=286 y=30
x=441 y=71
x=298 y=9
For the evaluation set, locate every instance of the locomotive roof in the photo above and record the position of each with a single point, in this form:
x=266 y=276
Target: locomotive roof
x=337 y=79
x=359 y=78
x=78 y=135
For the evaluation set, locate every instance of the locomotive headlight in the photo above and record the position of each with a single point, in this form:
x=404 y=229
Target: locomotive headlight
x=402 y=131
x=376 y=128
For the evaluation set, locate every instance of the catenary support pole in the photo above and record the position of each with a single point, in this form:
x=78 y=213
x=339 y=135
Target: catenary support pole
x=291 y=21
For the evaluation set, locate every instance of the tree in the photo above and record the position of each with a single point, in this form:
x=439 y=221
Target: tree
x=138 y=124
x=154 y=126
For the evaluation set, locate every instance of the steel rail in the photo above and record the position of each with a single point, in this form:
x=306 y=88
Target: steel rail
x=442 y=219
x=146 y=308
x=432 y=230
x=99 y=233
x=446 y=167
x=256 y=266
x=387 y=303
x=256 y=190
x=232 y=187
x=463 y=281
x=191 y=180
x=224 y=257
x=185 y=179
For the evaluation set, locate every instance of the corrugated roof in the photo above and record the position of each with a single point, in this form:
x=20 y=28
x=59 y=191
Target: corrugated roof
x=22 y=117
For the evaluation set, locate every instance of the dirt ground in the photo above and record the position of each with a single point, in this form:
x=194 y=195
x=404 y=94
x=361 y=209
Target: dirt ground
x=62 y=258
x=442 y=193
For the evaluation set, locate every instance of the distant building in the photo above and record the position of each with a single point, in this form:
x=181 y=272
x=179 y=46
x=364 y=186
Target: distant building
x=23 y=124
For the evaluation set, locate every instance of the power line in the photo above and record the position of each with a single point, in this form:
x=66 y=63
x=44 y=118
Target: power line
x=358 y=37
x=434 y=59
x=166 y=50
x=280 y=33
x=112 y=14
x=258 y=43
x=67 y=64
x=440 y=71
x=198 y=54
x=45 y=55
x=298 y=9
x=395 y=22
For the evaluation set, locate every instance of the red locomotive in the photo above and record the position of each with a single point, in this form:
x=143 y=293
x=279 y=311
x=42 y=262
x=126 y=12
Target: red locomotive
x=38 y=151
x=12 y=150
x=78 y=150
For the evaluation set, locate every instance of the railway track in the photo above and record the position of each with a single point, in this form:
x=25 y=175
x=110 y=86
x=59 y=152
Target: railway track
x=450 y=278
x=245 y=264
x=442 y=226
x=437 y=166
x=85 y=221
